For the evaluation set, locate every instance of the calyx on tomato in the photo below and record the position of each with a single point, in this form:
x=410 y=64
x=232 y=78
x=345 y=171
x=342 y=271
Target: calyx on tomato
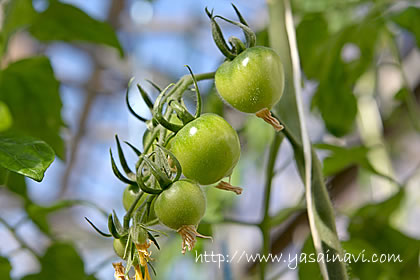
x=181 y=207
x=252 y=78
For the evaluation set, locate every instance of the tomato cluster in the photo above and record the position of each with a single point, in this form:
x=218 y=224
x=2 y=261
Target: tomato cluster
x=203 y=148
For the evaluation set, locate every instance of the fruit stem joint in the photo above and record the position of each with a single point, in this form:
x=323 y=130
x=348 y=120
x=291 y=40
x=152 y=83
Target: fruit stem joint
x=265 y=114
x=189 y=236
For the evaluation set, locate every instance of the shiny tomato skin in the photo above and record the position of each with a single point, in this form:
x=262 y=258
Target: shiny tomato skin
x=183 y=203
x=207 y=148
x=252 y=81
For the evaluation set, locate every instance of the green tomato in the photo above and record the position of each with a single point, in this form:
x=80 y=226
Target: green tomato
x=129 y=197
x=252 y=81
x=207 y=148
x=183 y=203
x=119 y=247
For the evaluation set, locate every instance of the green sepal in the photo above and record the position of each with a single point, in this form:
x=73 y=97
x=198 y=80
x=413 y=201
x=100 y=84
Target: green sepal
x=128 y=103
x=145 y=97
x=97 y=229
x=218 y=38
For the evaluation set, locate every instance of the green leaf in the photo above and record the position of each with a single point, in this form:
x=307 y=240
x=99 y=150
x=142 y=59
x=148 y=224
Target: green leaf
x=5 y=117
x=322 y=61
x=5 y=268
x=342 y=157
x=370 y=229
x=25 y=155
x=28 y=87
x=61 y=262
x=409 y=20
x=17 y=14
x=63 y=22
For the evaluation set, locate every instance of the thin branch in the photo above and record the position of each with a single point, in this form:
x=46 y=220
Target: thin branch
x=22 y=242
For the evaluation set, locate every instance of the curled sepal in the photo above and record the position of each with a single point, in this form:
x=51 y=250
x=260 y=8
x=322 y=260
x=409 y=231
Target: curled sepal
x=145 y=97
x=158 y=111
x=197 y=93
x=123 y=161
x=140 y=178
x=119 y=271
x=237 y=45
x=153 y=239
x=240 y=17
x=154 y=85
x=228 y=187
x=161 y=177
x=189 y=236
x=265 y=114
x=174 y=161
x=112 y=228
x=117 y=173
x=128 y=103
x=250 y=36
x=97 y=229
x=137 y=151
x=218 y=38
x=181 y=112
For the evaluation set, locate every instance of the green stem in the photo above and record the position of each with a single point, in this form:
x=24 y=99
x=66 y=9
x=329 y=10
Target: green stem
x=265 y=224
x=22 y=243
x=127 y=215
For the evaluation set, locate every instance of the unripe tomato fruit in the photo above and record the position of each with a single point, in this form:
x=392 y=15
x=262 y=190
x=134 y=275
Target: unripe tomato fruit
x=119 y=247
x=252 y=81
x=207 y=148
x=129 y=197
x=183 y=203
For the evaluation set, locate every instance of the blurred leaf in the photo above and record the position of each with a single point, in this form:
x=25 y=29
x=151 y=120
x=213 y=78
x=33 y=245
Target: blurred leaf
x=63 y=22
x=5 y=117
x=322 y=61
x=61 y=262
x=17 y=14
x=371 y=228
x=380 y=212
x=409 y=20
x=25 y=155
x=401 y=94
x=311 y=34
x=5 y=268
x=30 y=90
x=342 y=157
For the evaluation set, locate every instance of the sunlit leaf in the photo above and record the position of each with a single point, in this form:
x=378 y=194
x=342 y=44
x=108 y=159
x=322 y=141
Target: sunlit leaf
x=64 y=22
x=29 y=89
x=25 y=155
